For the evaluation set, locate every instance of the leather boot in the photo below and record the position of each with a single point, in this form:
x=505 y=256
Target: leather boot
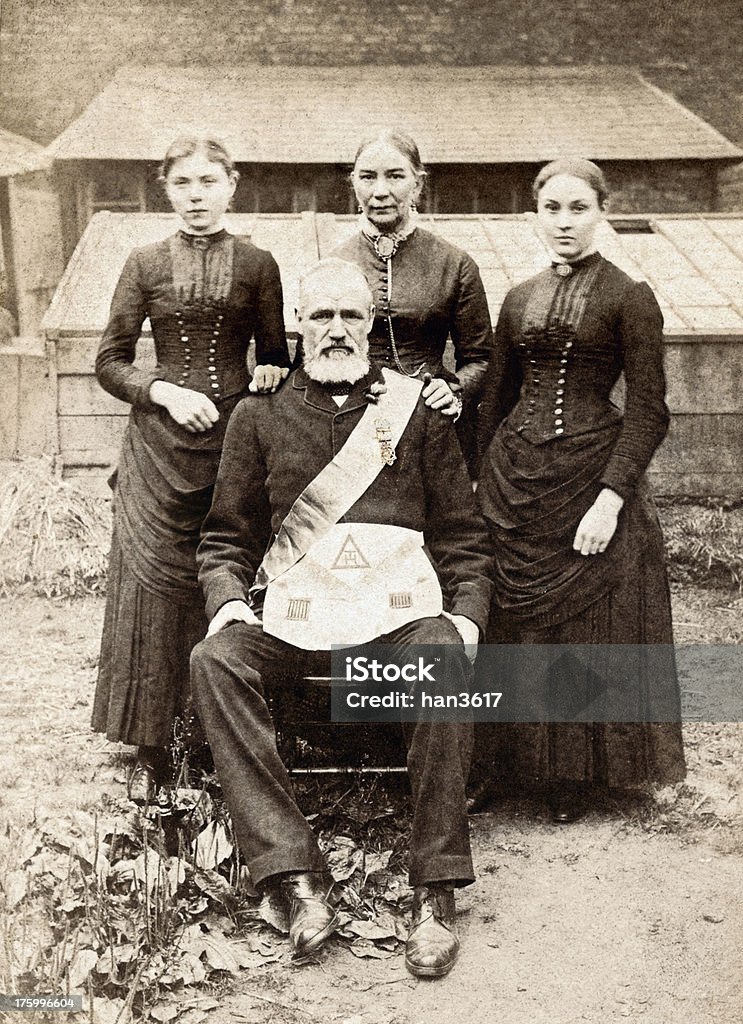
x=312 y=919
x=433 y=946
x=482 y=797
x=567 y=802
x=145 y=778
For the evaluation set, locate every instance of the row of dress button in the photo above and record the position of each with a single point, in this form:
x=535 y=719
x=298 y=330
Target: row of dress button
x=559 y=422
x=560 y=391
x=186 y=354
x=532 y=400
x=212 y=356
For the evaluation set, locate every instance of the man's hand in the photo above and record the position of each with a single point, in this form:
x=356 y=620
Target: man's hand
x=232 y=611
x=469 y=632
x=598 y=525
x=188 y=408
x=267 y=378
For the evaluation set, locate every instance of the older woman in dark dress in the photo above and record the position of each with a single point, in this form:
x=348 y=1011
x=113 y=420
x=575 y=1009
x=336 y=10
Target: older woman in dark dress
x=578 y=549
x=425 y=289
x=207 y=294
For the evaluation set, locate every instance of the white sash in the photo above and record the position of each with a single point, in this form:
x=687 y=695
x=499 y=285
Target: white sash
x=351 y=471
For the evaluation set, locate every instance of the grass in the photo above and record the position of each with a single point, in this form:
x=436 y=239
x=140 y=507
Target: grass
x=54 y=538
x=704 y=542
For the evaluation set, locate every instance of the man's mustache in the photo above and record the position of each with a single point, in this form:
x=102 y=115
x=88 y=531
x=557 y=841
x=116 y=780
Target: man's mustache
x=328 y=346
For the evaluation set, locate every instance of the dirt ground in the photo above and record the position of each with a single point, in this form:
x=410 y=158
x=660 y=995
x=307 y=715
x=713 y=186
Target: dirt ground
x=628 y=915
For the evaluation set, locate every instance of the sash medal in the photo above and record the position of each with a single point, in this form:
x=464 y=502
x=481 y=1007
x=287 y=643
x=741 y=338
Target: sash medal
x=384 y=439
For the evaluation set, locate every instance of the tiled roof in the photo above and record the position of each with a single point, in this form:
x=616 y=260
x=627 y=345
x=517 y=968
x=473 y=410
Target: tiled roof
x=693 y=263
x=488 y=115
x=19 y=155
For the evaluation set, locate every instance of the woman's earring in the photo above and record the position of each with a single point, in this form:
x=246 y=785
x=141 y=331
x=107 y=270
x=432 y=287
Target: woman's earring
x=413 y=206
x=359 y=208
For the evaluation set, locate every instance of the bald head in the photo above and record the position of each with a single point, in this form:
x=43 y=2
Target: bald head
x=335 y=316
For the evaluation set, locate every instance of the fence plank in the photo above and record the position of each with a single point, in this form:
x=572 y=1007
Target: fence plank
x=77 y=354
x=94 y=433
x=83 y=396
x=702 y=454
x=10 y=374
x=705 y=376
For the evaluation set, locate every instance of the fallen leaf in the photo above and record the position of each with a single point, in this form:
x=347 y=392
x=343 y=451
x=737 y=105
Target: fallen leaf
x=372 y=930
x=198 y=906
x=16 y=888
x=29 y=847
x=110 y=1011
x=366 y=948
x=273 y=911
x=193 y=970
x=216 y=886
x=109 y=961
x=212 y=846
x=374 y=862
x=344 y=860
x=219 y=955
x=164 y=1012
x=245 y=882
x=249 y=958
x=84 y=851
x=69 y=906
x=204 y=1003
x=83 y=962
x=153 y=870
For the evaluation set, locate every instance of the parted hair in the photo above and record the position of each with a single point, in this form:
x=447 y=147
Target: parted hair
x=576 y=167
x=402 y=141
x=187 y=145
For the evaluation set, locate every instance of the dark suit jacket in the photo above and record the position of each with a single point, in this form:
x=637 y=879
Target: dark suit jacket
x=276 y=444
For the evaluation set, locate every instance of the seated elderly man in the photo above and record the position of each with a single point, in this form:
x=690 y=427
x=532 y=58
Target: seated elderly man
x=345 y=467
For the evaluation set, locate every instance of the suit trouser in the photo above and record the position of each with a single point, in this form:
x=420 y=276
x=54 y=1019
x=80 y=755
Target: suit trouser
x=227 y=672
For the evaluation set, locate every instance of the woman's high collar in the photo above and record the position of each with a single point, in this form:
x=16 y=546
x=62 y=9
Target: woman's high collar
x=372 y=231
x=203 y=241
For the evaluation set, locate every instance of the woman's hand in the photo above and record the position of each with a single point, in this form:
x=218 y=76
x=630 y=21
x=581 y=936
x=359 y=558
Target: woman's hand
x=232 y=611
x=267 y=378
x=438 y=395
x=190 y=409
x=598 y=525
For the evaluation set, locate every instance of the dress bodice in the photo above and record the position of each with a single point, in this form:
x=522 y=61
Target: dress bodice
x=567 y=374
x=561 y=344
x=428 y=292
x=202 y=347
x=206 y=298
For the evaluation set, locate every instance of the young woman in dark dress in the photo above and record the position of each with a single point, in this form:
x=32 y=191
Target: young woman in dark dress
x=425 y=289
x=578 y=549
x=207 y=294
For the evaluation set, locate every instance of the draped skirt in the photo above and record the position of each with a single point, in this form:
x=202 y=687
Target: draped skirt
x=154 y=607
x=533 y=498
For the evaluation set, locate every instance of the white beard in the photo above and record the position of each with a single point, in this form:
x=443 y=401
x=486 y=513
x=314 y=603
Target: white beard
x=327 y=370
